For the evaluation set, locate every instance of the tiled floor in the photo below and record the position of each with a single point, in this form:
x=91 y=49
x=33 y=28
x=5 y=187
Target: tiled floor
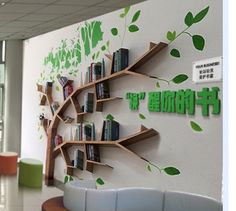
x=15 y=198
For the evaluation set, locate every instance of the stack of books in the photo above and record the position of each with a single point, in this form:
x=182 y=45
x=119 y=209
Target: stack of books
x=85 y=132
x=93 y=152
x=102 y=90
x=67 y=90
x=57 y=140
x=48 y=88
x=95 y=71
x=62 y=80
x=78 y=159
x=88 y=103
x=120 y=60
x=110 y=130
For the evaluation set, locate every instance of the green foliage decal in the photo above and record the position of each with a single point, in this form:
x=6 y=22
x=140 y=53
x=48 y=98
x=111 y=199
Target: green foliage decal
x=91 y=35
x=170 y=170
x=179 y=78
x=70 y=54
x=141 y=116
x=175 y=53
x=197 y=40
x=131 y=26
x=100 y=181
x=109 y=117
x=196 y=127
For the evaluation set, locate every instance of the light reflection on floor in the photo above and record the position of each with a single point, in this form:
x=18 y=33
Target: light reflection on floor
x=17 y=198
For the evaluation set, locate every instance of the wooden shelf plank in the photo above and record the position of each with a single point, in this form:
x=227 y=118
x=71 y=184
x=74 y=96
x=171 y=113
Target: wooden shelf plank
x=82 y=113
x=99 y=163
x=109 y=99
x=99 y=103
x=142 y=135
x=147 y=56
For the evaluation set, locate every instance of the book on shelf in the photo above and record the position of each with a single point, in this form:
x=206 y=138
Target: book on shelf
x=48 y=88
x=57 y=140
x=62 y=79
x=103 y=70
x=102 y=90
x=67 y=90
x=110 y=130
x=85 y=132
x=78 y=159
x=54 y=106
x=93 y=152
x=88 y=102
x=120 y=60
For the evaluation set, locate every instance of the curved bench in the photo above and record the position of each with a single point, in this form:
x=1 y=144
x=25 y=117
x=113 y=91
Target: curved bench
x=78 y=197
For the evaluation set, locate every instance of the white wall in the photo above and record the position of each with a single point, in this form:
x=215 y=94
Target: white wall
x=197 y=155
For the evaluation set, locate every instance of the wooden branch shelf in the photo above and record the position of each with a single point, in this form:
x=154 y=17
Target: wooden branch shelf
x=122 y=143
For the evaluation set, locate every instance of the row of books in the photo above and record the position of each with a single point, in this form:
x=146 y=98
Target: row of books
x=78 y=160
x=85 y=132
x=93 y=152
x=110 y=130
x=57 y=140
x=95 y=71
x=102 y=90
x=88 y=103
x=67 y=90
x=120 y=60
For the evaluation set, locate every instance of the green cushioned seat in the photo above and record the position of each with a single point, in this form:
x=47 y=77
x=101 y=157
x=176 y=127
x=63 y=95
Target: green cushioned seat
x=30 y=173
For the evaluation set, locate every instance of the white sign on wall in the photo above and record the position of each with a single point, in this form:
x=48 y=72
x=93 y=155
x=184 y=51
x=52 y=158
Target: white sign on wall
x=207 y=70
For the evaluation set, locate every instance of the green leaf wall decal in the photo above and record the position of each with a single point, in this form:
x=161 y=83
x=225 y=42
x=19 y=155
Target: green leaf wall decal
x=171 y=171
x=198 y=42
x=109 y=117
x=201 y=15
x=66 y=179
x=171 y=35
x=103 y=48
x=179 y=78
x=100 y=181
x=157 y=84
x=175 y=53
x=149 y=168
x=136 y=16
x=141 y=116
x=57 y=88
x=195 y=126
x=133 y=28
x=114 y=31
x=189 y=20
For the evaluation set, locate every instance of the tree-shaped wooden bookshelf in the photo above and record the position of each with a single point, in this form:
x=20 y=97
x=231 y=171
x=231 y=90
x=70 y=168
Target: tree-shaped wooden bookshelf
x=72 y=99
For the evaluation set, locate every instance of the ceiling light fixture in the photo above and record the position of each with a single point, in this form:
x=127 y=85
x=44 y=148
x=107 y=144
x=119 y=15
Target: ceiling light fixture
x=3 y=3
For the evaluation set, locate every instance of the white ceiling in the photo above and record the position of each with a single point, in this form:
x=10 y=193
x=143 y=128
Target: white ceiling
x=22 y=19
